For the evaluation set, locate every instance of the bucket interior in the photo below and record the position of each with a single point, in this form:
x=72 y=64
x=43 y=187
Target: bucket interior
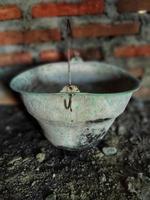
x=90 y=77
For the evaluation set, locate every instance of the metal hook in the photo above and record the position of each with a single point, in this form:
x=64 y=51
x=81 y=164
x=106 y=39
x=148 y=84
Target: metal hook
x=69 y=103
x=69 y=28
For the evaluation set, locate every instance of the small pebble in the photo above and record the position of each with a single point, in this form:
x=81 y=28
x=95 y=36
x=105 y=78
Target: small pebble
x=51 y=197
x=8 y=128
x=13 y=161
x=26 y=159
x=103 y=179
x=122 y=130
x=93 y=162
x=72 y=196
x=109 y=151
x=40 y=157
x=98 y=155
x=33 y=183
x=11 y=168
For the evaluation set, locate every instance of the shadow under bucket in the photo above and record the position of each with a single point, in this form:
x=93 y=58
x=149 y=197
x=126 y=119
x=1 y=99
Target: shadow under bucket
x=80 y=119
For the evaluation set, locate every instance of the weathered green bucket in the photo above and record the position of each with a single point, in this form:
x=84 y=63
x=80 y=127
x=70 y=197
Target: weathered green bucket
x=75 y=120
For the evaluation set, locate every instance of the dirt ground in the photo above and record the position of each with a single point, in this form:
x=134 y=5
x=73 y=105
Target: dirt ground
x=117 y=169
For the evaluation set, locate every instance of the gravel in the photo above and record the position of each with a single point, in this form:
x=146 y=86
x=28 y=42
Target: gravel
x=31 y=168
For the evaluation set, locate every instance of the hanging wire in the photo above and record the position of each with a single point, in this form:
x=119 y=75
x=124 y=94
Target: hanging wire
x=69 y=36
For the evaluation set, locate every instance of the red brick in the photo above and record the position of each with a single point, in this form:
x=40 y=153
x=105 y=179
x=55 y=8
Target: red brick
x=11 y=37
x=132 y=51
x=53 y=55
x=8 y=12
x=8 y=100
x=36 y=36
x=15 y=58
x=103 y=30
x=143 y=92
x=28 y=37
x=90 y=54
x=68 y=9
x=133 y=6
x=137 y=72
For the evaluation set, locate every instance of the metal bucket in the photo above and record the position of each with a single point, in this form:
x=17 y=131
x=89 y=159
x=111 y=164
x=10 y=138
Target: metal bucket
x=75 y=120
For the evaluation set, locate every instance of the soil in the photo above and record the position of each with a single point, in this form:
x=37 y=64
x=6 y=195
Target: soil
x=117 y=169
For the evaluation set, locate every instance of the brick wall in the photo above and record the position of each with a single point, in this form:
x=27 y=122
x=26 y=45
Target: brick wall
x=115 y=31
